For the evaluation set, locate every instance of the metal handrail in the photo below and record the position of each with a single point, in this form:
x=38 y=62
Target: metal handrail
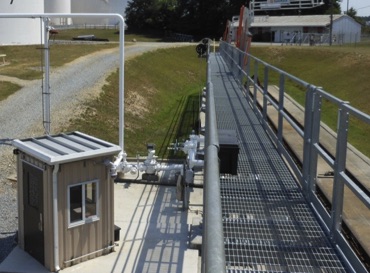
x=213 y=252
x=312 y=148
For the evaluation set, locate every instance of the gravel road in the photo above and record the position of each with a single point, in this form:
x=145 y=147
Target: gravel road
x=21 y=117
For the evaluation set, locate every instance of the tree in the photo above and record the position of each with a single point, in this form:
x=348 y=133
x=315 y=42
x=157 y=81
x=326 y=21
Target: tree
x=200 y=18
x=205 y=17
x=352 y=12
x=149 y=14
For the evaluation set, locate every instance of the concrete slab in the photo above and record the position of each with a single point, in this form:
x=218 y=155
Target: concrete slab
x=20 y=261
x=189 y=265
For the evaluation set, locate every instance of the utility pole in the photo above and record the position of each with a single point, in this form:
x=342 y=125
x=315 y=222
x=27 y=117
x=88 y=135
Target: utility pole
x=331 y=23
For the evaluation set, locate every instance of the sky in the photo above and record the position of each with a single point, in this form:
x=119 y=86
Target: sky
x=361 y=6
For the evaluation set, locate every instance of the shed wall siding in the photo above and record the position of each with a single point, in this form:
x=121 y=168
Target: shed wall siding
x=48 y=217
x=87 y=238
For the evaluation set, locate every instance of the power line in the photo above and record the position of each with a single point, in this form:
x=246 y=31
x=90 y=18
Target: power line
x=364 y=7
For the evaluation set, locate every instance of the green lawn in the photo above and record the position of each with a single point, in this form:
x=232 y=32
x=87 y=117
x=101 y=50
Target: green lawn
x=111 y=34
x=162 y=86
x=25 y=61
x=342 y=71
x=7 y=88
x=161 y=101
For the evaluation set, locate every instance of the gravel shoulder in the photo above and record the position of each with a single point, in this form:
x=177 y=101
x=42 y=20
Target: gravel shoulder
x=21 y=116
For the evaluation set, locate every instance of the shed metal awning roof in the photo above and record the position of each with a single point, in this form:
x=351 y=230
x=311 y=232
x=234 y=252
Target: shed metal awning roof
x=65 y=148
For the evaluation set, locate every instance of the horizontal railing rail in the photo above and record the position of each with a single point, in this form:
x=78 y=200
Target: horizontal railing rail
x=213 y=252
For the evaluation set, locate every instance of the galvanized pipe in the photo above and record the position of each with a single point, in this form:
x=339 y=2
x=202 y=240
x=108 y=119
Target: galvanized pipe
x=213 y=256
x=46 y=79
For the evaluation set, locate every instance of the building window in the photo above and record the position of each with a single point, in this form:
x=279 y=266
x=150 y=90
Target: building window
x=83 y=203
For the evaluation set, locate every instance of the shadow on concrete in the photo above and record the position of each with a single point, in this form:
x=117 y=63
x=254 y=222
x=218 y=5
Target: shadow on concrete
x=156 y=234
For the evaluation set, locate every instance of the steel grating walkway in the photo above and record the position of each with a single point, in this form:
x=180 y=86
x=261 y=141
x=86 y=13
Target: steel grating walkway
x=268 y=225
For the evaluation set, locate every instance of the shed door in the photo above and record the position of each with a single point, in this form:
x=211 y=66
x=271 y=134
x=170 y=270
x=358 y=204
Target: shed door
x=33 y=211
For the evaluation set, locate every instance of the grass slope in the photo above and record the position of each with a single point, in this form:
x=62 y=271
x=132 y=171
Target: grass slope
x=25 y=61
x=162 y=87
x=161 y=101
x=7 y=88
x=341 y=71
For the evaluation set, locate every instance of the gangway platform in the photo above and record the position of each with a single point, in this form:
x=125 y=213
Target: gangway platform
x=268 y=224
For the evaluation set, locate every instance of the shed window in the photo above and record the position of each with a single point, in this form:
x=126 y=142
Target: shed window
x=83 y=203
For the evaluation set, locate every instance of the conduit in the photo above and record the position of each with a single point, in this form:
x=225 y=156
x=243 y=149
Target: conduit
x=55 y=217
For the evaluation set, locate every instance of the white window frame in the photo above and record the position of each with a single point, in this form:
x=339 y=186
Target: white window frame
x=85 y=220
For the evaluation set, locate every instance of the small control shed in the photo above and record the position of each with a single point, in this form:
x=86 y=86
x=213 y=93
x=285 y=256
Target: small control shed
x=65 y=198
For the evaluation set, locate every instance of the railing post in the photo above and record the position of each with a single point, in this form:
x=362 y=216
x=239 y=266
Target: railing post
x=265 y=94
x=281 y=111
x=307 y=156
x=339 y=167
x=315 y=138
x=241 y=65
x=255 y=80
x=248 y=83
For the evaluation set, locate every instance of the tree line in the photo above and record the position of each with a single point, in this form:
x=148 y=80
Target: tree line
x=201 y=18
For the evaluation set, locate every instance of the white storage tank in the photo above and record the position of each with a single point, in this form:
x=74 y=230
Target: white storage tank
x=58 y=6
x=117 y=6
x=20 y=31
x=97 y=6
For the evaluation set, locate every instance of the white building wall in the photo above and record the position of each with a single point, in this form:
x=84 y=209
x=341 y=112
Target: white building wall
x=58 y=6
x=20 y=31
x=286 y=34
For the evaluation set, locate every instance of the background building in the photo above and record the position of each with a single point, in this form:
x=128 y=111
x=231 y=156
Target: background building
x=305 y=29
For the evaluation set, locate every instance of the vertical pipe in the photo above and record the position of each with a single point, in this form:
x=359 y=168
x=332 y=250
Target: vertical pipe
x=46 y=80
x=122 y=85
